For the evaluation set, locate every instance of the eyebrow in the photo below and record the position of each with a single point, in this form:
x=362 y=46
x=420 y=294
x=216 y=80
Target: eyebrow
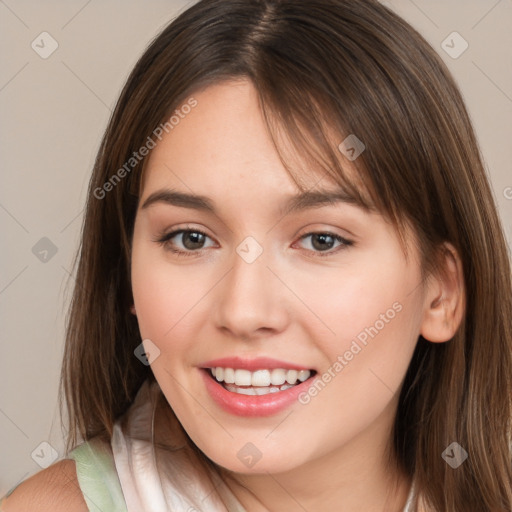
x=303 y=201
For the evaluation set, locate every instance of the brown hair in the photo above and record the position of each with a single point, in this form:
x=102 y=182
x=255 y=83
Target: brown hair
x=322 y=67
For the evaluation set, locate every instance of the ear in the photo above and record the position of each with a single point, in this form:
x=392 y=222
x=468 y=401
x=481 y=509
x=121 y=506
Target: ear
x=132 y=309
x=444 y=298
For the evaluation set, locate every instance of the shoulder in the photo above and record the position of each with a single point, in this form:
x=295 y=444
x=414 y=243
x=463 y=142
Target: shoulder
x=55 y=488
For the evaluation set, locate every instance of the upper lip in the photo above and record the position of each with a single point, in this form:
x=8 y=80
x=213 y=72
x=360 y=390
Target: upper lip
x=258 y=363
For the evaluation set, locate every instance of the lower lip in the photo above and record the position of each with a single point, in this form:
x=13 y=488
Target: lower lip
x=252 y=405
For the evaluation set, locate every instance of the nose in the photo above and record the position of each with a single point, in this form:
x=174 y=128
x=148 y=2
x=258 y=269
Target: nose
x=251 y=301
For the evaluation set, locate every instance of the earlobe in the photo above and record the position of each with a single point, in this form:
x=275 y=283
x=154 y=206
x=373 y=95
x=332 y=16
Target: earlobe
x=444 y=299
x=132 y=310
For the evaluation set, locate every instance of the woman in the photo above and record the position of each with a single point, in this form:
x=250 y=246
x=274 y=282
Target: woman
x=293 y=290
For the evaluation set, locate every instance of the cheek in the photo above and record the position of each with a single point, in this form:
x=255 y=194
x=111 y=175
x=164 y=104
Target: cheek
x=155 y=301
x=366 y=363
x=169 y=300
x=363 y=298
x=156 y=291
x=373 y=311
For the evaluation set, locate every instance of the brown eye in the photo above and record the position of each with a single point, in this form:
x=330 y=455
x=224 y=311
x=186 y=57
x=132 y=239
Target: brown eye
x=192 y=239
x=321 y=242
x=184 y=241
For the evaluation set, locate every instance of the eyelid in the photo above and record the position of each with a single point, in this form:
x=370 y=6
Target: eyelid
x=166 y=235
x=167 y=232
x=163 y=238
x=344 y=242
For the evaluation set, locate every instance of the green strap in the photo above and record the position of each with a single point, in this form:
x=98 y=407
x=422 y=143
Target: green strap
x=97 y=477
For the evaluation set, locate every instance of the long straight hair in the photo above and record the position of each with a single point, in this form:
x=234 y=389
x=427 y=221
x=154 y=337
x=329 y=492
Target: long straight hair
x=323 y=69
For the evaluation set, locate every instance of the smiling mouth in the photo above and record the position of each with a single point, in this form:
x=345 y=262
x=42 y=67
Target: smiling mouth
x=259 y=382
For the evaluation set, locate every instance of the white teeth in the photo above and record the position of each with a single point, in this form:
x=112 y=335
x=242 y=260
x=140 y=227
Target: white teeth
x=229 y=375
x=260 y=378
x=242 y=377
x=278 y=377
x=262 y=390
x=303 y=375
x=246 y=391
x=291 y=376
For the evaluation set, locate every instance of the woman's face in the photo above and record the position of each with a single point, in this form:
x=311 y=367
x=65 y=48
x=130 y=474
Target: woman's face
x=267 y=295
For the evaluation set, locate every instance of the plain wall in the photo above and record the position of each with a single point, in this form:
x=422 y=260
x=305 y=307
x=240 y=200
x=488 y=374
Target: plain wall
x=54 y=112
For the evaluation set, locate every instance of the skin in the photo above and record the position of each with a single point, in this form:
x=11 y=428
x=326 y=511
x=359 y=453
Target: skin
x=55 y=488
x=290 y=304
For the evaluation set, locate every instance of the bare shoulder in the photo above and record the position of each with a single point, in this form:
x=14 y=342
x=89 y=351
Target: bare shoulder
x=55 y=488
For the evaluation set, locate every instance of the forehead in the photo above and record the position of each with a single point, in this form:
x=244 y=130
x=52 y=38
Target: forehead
x=222 y=148
x=222 y=138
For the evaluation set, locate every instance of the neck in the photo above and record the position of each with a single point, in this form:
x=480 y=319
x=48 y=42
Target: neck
x=369 y=490
x=353 y=478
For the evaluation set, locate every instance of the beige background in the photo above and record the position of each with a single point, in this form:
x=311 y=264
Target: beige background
x=53 y=114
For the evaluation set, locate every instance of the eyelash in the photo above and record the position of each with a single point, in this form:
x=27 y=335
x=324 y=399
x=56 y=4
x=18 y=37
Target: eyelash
x=164 y=240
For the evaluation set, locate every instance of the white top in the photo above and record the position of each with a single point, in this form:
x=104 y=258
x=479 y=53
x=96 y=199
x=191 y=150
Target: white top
x=157 y=468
